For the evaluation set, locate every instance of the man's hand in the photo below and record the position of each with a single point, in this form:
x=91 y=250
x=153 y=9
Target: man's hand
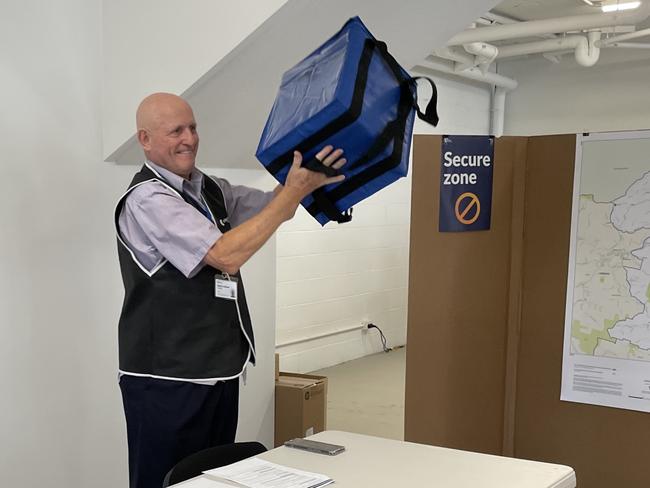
x=303 y=181
x=234 y=248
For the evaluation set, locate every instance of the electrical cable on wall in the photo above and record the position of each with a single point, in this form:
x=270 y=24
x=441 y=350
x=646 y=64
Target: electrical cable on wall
x=382 y=337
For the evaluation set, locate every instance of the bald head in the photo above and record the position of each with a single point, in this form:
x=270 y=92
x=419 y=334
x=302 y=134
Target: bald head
x=156 y=107
x=167 y=132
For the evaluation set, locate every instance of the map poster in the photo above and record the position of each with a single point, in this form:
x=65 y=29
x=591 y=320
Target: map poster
x=607 y=324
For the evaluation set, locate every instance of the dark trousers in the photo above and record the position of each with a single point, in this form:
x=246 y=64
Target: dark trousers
x=169 y=420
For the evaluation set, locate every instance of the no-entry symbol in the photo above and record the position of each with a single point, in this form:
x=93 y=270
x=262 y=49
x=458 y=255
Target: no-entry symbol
x=467 y=208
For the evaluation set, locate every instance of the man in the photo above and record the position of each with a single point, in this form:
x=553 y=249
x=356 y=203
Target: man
x=185 y=334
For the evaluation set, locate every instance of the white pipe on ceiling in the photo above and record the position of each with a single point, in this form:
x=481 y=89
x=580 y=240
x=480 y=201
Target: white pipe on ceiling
x=501 y=19
x=548 y=26
x=502 y=85
x=631 y=45
x=471 y=73
x=484 y=21
x=538 y=47
x=623 y=37
x=484 y=52
x=586 y=52
x=455 y=54
x=498 y=111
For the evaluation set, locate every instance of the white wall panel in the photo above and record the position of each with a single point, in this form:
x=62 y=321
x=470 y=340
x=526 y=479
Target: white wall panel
x=566 y=98
x=159 y=45
x=61 y=418
x=340 y=276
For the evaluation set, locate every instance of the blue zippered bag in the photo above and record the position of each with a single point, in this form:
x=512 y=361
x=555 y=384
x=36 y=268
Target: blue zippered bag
x=349 y=93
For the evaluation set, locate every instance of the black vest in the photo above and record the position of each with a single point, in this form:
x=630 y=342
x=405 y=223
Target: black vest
x=173 y=326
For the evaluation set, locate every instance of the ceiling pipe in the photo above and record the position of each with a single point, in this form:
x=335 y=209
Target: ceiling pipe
x=498 y=111
x=502 y=85
x=548 y=26
x=486 y=53
x=471 y=73
x=501 y=19
x=586 y=52
x=484 y=21
x=474 y=54
x=631 y=45
x=456 y=54
x=587 y=55
x=623 y=37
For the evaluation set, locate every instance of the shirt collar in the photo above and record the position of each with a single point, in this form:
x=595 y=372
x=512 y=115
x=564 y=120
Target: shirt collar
x=193 y=186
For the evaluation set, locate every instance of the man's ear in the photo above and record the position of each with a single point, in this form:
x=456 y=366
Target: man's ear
x=144 y=139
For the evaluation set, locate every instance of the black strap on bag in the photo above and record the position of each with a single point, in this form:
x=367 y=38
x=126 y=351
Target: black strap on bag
x=325 y=204
x=392 y=133
x=430 y=114
x=315 y=165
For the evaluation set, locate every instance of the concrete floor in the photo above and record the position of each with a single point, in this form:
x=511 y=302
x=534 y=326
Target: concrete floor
x=366 y=395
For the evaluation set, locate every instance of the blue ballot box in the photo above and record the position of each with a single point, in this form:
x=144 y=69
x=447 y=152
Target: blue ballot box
x=349 y=93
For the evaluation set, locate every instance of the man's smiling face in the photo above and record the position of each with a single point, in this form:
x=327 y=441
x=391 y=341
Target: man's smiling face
x=167 y=133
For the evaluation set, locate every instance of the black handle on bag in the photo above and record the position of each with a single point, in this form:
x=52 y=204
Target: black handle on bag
x=328 y=208
x=315 y=165
x=430 y=114
x=319 y=195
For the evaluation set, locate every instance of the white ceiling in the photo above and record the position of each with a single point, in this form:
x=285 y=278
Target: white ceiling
x=542 y=9
x=232 y=100
x=524 y=10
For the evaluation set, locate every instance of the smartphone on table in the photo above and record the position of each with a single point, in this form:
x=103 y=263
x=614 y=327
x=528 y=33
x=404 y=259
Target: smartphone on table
x=315 y=446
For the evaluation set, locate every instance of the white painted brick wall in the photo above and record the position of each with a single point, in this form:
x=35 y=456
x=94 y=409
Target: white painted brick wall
x=339 y=276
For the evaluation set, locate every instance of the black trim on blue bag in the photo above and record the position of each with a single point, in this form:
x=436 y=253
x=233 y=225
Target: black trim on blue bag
x=353 y=183
x=430 y=114
x=323 y=204
x=314 y=164
x=393 y=132
x=394 y=126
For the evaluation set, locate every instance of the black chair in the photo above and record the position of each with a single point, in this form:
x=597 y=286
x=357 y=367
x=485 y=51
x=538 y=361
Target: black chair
x=213 y=457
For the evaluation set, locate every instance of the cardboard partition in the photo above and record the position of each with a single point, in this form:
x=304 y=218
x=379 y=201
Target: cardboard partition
x=459 y=291
x=486 y=324
x=607 y=447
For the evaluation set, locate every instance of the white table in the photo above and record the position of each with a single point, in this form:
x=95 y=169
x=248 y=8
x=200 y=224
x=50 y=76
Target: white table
x=384 y=463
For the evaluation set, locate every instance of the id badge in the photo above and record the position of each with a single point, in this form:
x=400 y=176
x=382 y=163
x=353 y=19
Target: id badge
x=225 y=287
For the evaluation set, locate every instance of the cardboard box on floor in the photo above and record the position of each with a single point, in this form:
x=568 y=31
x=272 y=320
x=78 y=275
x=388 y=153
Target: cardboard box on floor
x=300 y=406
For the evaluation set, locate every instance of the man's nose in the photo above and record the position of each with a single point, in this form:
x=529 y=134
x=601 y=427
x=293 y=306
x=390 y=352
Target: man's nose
x=190 y=136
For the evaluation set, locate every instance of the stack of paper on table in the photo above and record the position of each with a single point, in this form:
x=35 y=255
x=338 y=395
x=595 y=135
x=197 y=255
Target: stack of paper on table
x=257 y=473
x=203 y=483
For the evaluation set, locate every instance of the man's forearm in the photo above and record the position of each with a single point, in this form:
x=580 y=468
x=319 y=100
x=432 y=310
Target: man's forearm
x=236 y=247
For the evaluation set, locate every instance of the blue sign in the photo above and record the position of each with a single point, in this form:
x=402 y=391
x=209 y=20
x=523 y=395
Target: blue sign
x=466 y=183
